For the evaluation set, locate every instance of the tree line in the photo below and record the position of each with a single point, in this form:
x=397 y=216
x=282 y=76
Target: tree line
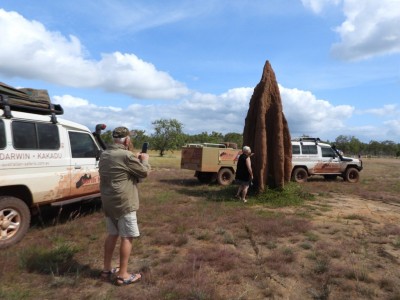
x=350 y=145
x=168 y=135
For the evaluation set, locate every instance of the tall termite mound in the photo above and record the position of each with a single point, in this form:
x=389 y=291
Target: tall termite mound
x=266 y=131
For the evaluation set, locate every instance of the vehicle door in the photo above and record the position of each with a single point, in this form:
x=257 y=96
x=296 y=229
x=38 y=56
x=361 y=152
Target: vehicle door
x=329 y=163
x=38 y=160
x=309 y=156
x=84 y=164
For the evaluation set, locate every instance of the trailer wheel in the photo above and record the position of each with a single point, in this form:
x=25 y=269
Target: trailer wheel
x=352 y=175
x=225 y=176
x=15 y=219
x=300 y=175
x=205 y=177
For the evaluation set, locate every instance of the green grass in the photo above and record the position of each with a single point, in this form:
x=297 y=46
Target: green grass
x=291 y=195
x=58 y=260
x=169 y=160
x=14 y=294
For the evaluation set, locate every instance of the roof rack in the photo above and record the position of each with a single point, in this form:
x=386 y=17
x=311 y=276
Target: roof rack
x=49 y=109
x=307 y=139
x=208 y=145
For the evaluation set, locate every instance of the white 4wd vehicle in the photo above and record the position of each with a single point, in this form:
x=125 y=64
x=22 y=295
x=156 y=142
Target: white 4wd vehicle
x=43 y=160
x=311 y=157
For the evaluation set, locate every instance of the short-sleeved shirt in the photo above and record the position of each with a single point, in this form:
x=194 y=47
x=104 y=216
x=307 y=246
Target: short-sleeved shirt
x=120 y=172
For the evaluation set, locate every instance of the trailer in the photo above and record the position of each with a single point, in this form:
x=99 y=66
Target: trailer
x=211 y=162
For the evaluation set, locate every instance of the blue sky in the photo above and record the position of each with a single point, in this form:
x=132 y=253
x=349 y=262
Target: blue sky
x=130 y=63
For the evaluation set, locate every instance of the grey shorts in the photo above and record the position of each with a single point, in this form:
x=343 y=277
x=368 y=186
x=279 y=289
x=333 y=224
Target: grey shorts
x=126 y=226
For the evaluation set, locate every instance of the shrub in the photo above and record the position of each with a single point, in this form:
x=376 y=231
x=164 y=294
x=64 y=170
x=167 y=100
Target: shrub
x=58 y=260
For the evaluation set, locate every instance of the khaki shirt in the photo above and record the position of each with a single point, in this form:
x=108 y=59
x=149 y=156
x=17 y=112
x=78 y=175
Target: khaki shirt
x=120 y=172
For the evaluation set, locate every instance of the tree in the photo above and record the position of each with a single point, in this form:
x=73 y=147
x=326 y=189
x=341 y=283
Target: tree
x=107 y=137
x=200 y=138
x=374 y=147
x=234 y=137
x=389 y=147
x=342 y=143
x=168 y=135
x=215 y=137
x=138 y=138
x=355 y=146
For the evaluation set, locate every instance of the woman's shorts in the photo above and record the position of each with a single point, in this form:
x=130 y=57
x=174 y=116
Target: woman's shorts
x=126 y=226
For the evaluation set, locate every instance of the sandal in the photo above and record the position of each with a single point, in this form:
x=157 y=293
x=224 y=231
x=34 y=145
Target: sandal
x=106 y=275
x=132 y=279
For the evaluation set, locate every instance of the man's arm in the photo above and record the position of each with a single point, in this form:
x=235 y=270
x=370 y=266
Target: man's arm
x=138 y=166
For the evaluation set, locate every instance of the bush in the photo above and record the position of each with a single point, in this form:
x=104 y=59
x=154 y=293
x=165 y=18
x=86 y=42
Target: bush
x=58 y=260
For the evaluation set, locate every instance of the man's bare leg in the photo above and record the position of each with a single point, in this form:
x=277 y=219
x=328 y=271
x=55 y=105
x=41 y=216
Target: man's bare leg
x=109 y=246
x=124 y=253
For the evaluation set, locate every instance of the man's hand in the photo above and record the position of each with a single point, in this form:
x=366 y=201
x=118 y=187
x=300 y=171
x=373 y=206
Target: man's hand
x=143 y=157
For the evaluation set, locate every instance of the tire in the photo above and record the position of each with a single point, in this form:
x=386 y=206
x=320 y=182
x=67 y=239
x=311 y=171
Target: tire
x=225 y=176
x=352 y=175
x=330 y=177
x=300 y=175
x=15 y=219
x=205 y=177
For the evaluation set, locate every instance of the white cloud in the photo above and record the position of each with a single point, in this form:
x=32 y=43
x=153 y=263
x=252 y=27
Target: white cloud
x=386 y=110
x=199 y=112
x=70 y=101
x=317 y=6
x=138 y=16
x=311 y=116
x=393 y=129
x=30 y=51
x=305 y=113
x=371 y=28
x=221 y=113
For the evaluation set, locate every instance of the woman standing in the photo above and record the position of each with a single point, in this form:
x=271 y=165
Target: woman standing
x=244 y=173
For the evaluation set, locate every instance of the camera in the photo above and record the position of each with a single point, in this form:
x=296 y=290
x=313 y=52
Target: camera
x=145 y=146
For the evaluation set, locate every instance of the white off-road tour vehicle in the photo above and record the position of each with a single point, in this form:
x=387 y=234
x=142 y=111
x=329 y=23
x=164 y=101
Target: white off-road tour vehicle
x=311 y=157
x=44 y=160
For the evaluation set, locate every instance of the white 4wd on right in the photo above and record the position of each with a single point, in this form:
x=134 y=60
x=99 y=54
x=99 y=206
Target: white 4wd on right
x=311 y=157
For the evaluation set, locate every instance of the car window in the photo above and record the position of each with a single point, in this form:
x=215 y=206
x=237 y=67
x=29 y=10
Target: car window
x=48 y=136
x=327 y=152
x=2 y=135
x=35 y=136
x=24 y=135
x=295 y=149
x=309 y=149
x=82 y=145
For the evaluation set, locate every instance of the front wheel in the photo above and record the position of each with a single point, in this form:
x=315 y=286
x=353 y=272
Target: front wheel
x=15 y=219
x=225 y=176
x=352 y=175
x=300 y=175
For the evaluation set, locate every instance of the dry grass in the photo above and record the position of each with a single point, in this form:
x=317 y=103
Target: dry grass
x=199 y=243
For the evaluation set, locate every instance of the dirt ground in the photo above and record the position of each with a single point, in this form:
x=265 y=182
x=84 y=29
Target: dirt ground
x=362 y=236
x=198 y=242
